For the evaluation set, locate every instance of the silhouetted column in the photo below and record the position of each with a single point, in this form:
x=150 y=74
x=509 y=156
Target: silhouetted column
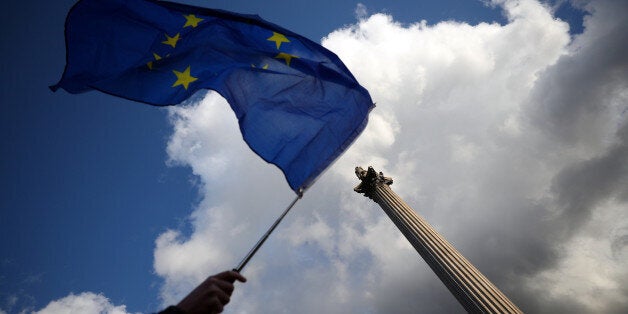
x=474 y=291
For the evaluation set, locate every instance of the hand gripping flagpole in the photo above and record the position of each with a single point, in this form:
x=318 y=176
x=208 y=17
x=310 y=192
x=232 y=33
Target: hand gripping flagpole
x=261 y=241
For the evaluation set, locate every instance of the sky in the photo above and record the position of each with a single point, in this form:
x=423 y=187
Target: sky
x=503 y=123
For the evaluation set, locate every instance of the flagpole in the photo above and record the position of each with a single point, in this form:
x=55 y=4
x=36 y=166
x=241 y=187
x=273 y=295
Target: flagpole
x=261 y=241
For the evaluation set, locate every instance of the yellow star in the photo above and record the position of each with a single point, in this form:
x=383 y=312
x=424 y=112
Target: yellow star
x=278 y=39
x=150 y=63
x=183 y=78
x=265 y=66
x=171 y=41
x=285 y=56
x=191 y=20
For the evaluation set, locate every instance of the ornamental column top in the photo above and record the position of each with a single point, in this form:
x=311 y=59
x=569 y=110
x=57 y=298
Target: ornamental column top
x=370 y=179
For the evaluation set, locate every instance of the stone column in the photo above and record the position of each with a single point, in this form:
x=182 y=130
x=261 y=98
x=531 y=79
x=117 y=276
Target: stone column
x=474 y=291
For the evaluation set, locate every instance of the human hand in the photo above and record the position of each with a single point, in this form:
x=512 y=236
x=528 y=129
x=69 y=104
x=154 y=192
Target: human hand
x=212 y=295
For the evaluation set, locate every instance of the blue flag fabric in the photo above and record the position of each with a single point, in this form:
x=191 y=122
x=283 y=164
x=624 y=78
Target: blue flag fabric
x=297 y=104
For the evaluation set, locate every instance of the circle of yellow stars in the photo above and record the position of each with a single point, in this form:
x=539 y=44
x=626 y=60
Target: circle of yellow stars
x=184 y=78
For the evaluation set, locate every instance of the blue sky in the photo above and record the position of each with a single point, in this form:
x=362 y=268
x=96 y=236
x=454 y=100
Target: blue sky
x=87 y=183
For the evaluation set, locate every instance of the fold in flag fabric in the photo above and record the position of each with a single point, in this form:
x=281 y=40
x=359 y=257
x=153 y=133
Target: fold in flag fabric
x=297 y=104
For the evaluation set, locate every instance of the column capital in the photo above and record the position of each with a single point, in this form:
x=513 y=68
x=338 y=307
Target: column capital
x=370 y=180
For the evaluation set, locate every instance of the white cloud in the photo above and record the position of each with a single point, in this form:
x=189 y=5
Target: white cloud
x=510 y=139
x=84 y=303
x=361 y=11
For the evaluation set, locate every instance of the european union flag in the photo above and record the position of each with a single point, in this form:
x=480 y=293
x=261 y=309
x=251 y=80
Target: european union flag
x=297 y=104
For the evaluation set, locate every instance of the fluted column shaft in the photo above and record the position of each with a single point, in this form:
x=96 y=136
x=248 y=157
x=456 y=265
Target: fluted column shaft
x=472 y=289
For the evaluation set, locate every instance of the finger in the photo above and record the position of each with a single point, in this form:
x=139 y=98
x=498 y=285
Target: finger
x=222 y=296
x=231 y=276
x=223 y=285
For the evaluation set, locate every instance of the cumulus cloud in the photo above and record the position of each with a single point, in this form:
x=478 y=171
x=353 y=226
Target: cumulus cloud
x=84 y=303
x=512 y=140
x=361 y=11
